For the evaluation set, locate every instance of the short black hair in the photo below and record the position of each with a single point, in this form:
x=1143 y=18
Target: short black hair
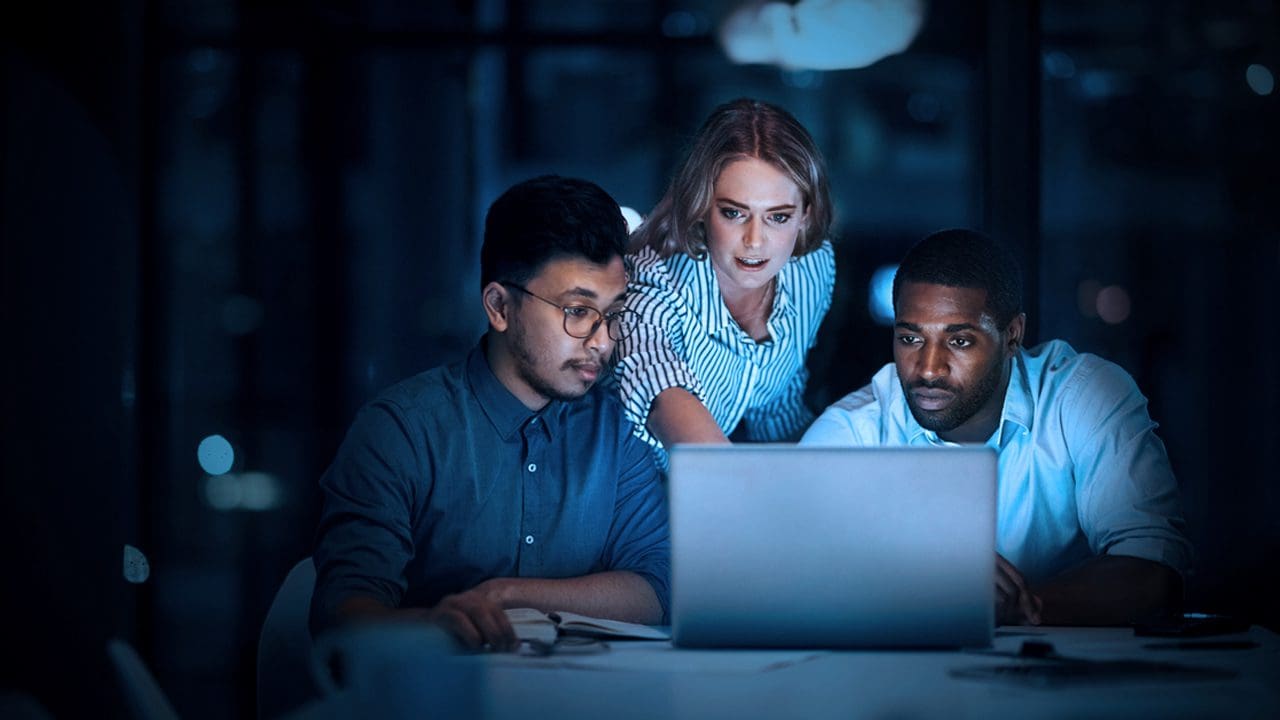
x=545 y=218
x=963 y=258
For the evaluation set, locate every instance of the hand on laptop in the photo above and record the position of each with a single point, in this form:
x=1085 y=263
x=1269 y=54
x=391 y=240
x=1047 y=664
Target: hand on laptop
x=1015 y=603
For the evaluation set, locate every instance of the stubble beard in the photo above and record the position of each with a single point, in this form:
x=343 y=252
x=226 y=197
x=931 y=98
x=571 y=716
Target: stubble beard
x=527 y=364
x=964 y=407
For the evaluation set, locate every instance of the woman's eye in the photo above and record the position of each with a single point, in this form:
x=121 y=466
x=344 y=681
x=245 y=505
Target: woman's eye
x=780 y=218
x=731 y=213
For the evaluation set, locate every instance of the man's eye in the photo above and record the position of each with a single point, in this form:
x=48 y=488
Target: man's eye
x=961 y=342
x=577 y=311
x=907 y=339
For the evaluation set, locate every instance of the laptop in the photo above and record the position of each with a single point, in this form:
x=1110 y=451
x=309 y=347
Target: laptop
x=803 y=546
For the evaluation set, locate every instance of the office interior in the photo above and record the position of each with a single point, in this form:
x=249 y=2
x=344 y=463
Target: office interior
x=228 y=224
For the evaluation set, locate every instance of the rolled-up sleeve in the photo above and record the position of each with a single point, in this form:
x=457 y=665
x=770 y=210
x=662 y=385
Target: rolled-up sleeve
x=1126 y=493
x=638 y=539
x=364 y=540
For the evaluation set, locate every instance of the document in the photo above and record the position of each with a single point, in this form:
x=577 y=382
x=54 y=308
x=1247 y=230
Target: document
x=535 y=625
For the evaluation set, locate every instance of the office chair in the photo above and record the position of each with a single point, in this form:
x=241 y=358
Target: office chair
x=284 y=647
x=141 y=691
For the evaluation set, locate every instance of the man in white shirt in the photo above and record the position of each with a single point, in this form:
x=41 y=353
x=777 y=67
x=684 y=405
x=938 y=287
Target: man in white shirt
x=1089 y=525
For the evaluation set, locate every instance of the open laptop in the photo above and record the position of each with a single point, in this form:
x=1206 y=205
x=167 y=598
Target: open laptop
x=799 y=546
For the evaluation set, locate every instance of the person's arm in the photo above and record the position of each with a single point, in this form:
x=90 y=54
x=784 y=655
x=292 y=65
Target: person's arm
x=676 y=416
x=1127 y=505
x=613 y=594
x=659 y=391
x=1110 y=590
x=365 y=538
x=476 y=618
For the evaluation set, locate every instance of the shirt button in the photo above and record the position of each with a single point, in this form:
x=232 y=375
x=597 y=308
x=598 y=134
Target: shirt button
x=533 y=467
x=528 y=539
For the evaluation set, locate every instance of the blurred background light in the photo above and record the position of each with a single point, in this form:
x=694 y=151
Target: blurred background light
x=216 y=455
x=136 y=567
x=1260 y=79
x=259 y=491
x=253 y=491
x=682 y=23
x=820 y=34
x=222 y=492
x=632 y=217
x=924 y=107
x=1059 y=65
x=1113 y=304
x=880 y=294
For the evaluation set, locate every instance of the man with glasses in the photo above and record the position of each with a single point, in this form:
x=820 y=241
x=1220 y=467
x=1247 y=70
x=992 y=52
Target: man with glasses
x=508 y=479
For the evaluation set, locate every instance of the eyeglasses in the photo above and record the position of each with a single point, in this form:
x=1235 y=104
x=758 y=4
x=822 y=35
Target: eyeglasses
x=582 y=321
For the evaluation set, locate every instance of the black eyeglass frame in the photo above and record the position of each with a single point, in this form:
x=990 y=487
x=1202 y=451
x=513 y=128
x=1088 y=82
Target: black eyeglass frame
x=617 y=331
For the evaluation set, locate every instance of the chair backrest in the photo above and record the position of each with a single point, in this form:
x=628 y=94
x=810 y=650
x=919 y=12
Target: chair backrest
x=284 y=648
x=141 y=691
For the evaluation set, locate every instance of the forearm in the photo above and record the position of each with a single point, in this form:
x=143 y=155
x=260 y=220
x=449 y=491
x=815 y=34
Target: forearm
x=361 y=608
x=1110 y=590
x=678 y=417
x=615 y=594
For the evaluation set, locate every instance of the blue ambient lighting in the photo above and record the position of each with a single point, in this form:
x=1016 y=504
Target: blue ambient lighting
x=880 y=294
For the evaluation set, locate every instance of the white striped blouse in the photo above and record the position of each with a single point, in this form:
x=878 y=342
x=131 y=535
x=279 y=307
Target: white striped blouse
x=685 y=337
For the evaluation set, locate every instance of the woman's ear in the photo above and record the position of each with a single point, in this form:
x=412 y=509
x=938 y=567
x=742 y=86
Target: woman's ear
x=497 y=305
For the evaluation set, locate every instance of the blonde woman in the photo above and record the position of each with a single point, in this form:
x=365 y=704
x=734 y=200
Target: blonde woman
x=730 y=278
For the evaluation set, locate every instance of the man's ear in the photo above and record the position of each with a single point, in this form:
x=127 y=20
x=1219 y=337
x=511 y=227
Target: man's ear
x=497 y=306
x=1014 y=334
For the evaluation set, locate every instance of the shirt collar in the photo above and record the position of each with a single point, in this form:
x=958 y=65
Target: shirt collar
x=504 y=410
x=703 y=292
x=1017 y=409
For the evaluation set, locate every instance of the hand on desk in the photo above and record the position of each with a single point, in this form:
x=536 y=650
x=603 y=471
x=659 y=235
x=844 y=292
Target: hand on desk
x=1015 y=603
x=476 y=618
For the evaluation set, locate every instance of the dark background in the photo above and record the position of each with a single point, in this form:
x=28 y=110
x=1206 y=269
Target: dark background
x=245 y=218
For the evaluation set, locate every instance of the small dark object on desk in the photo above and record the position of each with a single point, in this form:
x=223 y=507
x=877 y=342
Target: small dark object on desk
x=1191 y=625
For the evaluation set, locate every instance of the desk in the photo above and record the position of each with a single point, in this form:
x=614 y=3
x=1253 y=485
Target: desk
x=654 y=680
x=413 y=675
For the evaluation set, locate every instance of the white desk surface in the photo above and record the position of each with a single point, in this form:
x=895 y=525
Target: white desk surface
x=654 y=680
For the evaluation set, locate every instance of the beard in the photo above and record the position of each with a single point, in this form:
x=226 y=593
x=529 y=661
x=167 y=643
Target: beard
x=966 y=405
x=527 y=367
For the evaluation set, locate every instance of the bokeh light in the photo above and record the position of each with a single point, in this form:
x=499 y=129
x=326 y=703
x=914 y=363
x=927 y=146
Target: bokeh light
x=1260 y=79
x=880 y=294
x=1113 y=304
x=216 y=455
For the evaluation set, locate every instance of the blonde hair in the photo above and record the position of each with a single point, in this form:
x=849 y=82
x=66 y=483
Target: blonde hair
x=737 y=130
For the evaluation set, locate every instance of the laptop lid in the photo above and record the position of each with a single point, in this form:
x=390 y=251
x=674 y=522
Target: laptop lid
x=803 y=546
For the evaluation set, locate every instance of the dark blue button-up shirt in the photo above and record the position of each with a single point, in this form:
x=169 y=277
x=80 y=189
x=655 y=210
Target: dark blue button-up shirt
x=447 y=480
